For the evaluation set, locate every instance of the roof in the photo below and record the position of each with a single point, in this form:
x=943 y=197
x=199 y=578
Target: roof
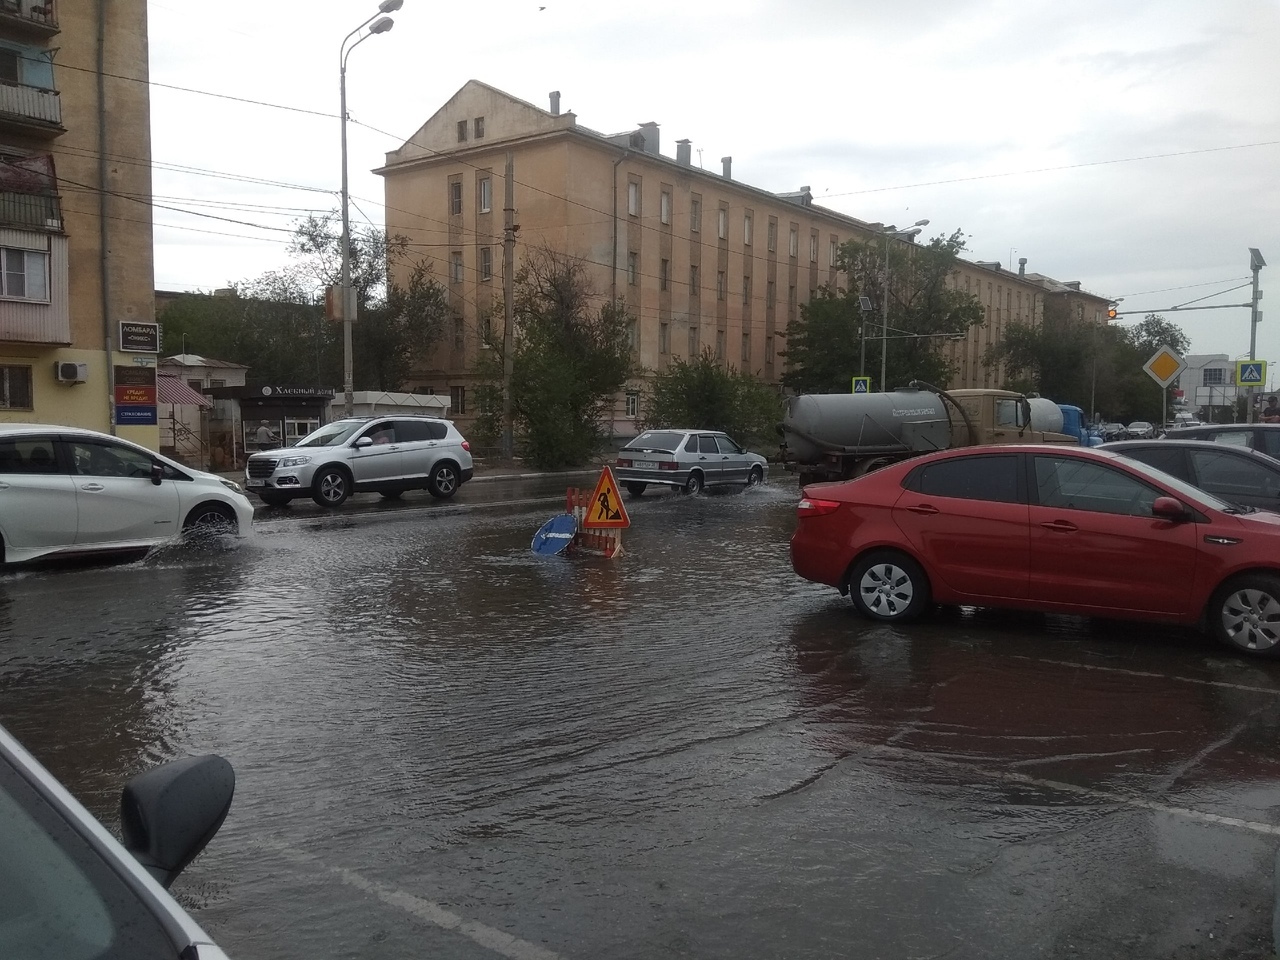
x=172 y=390
x=195 y=360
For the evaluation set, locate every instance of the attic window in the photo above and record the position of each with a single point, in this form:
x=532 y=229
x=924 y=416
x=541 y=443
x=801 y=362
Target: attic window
x=479 y=127
x=462 y=131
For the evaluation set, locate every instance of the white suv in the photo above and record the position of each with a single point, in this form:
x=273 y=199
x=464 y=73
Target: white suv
x=386 y=455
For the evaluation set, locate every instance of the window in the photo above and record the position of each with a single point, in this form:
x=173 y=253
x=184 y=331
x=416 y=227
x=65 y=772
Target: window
x=746 y=291
x=486 y=195
x=1214 y=376
x=455 y=266
x=664 y=345
x=10 y=65
x=1008 y=413
x=771 y=239
x=746 y=229
x=455 y=198
x=409 y=431
x=479 y=127
x=633 y=334
x=719 y=344
x=728 y=446
x=793 y=244
x=1234 y=476
x=969 y=478
x=196 y=384
x=1234 y=438
x=722 y=223
x=791 y=299
x=633 y=268
x=746 y=347
x=24 y=274
x=768 y=349
x=457 y=400
x=486 y=263
x=694 y=346
x=664 y=272
x=720 y=285
x=770 y=292
x=217 y=383
x=462 y=131
x=28 y=455
x=693 y=280
x=1069 y=484
x=813 y=248
x=15 y=388
x=707 y=444
x=835 y=251
x=94 y=458
x=633 y=198
x=458 y=332
x=633 y=405
x=695 y=215
x=665 y=211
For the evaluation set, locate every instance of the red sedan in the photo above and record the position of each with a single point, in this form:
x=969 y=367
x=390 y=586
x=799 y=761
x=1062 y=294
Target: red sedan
x=1058 y=529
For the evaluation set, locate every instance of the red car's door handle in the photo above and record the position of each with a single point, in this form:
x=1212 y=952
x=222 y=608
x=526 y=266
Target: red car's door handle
x=1060 y=526
x=924 y=508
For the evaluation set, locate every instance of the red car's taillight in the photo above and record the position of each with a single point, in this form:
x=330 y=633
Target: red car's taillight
x=814 y=507
x=622 y=462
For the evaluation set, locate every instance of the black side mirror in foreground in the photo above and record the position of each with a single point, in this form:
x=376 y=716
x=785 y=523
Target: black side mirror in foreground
x=157 y=473
x=169 y=814
x=1167 y=508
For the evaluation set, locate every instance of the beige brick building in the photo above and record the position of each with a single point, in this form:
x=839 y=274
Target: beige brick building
x=74 y=144
x=701 y=259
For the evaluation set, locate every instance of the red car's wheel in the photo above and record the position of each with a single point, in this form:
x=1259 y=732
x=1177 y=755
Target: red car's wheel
x=889 y=586
x=1245 y=614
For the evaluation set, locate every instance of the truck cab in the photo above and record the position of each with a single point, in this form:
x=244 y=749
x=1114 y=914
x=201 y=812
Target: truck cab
x=1001 y=416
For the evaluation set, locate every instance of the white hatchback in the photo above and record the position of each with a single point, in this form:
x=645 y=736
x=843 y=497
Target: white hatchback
x=66 y=491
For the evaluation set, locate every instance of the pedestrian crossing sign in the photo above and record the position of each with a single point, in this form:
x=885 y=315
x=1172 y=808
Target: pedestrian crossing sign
x=605 y=510
x=861 y=384
x=1251 y=373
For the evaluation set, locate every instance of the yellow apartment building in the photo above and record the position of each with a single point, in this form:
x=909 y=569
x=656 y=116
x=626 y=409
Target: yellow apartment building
x=700 y=259
x=76 y=259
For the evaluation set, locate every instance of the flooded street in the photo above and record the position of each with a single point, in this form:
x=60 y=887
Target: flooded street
x=448 y=747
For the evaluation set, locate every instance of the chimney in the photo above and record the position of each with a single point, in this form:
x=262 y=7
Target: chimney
x=728 y=167
x=806 y=197
x=1022 y=266
x=684 y=153
x=650 y=133
x=1072 y=285
x=555 y=103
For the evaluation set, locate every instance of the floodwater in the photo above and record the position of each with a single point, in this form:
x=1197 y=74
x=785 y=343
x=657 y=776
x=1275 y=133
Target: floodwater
x=448 y=747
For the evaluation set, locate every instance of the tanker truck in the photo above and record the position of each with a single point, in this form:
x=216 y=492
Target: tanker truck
x=838 y=436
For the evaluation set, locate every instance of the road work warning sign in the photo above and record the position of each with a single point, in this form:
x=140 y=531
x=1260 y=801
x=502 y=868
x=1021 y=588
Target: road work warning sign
x=605 y=510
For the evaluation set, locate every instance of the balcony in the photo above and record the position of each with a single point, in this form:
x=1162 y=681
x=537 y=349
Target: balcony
x=29 y=18
x=30 y=111
x=30 y=211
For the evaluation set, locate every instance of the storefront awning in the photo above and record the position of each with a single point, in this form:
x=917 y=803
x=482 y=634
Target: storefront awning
x=173 y=390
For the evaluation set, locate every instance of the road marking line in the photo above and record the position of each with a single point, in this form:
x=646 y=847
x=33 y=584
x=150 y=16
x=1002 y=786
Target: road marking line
x=485 y=936
x=1153 y=674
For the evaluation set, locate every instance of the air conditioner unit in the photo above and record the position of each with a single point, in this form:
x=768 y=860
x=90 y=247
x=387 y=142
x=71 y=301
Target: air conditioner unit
x=64 y=371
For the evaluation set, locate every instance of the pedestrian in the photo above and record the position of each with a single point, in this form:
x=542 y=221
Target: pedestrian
x=266 y=439
x=1271 y=413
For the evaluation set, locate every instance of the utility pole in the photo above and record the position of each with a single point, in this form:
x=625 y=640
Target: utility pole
x=1256 y=263
x=508 y=302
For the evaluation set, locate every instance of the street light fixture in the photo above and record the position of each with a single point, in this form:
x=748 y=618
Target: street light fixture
x=890 y=232
x=380 y=24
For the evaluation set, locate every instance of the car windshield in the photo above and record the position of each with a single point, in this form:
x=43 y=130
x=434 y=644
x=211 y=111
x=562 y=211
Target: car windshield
x=661 y=441
x=332 y=434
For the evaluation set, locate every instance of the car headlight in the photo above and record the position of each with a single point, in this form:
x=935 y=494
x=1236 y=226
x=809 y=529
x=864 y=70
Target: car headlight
x=231 y=485
x=293 y=461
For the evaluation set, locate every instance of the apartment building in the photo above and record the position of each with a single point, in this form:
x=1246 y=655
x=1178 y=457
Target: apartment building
x=76 y=280
x=701 y=260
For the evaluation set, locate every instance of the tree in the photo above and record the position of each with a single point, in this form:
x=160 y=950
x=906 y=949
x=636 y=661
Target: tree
x=703 y=394
x=825 y=345
x=274 y=324
x=571 y=356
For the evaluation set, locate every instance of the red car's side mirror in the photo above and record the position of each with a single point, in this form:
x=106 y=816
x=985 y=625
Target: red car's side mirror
x=1167 y=508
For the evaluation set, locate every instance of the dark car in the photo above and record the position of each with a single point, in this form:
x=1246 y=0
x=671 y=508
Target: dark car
x=1264 y=437
x=1058 y=529
x=69 y=890
x=1235 y=474
x=1113 y=431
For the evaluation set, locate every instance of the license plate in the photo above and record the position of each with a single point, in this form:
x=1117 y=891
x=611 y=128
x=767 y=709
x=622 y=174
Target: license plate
x=255 y=483
x=644 y=464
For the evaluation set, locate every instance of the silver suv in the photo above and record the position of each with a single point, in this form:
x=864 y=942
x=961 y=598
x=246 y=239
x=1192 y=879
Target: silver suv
x=386 y=455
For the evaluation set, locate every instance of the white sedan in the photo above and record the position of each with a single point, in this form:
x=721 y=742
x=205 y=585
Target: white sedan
x=65 y=490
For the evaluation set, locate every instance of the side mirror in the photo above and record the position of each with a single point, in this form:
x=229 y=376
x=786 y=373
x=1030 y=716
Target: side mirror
x=1167 y=508
x=364 y=442
x=157 y=473
x=169 y=814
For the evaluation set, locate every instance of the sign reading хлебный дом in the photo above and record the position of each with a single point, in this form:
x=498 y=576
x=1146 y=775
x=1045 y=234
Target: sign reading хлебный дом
x=139 y=337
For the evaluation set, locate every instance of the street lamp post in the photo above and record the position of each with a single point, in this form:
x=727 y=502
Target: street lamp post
x=378 y=23
x=1256 y=263
x=891 y=233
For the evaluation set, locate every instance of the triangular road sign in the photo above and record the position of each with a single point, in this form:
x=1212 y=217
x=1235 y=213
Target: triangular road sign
x=605 y=511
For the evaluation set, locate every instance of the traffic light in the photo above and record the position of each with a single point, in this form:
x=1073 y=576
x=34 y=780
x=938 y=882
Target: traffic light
x=1111 y=311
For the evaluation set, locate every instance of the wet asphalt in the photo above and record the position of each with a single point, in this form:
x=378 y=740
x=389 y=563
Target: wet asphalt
x=447 y=747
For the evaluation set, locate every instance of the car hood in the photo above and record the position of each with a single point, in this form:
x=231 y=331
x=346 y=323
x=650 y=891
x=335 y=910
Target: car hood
x=281 y=452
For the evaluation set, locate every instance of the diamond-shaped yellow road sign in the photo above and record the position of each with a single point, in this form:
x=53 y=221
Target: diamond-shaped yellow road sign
x=1164 y=366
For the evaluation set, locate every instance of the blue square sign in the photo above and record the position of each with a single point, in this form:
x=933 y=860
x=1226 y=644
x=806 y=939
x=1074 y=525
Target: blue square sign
x=1251 y=373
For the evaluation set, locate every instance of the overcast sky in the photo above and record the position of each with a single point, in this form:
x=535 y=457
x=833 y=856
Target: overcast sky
x=1133 y=146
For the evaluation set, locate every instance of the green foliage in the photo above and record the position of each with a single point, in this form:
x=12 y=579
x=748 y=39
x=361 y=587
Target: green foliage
x=571 y=356
x=703 y=394
x=1071 y=361
x=827 y=343
x=275 y=324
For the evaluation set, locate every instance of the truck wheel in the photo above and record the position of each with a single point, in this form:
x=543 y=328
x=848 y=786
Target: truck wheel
x=636 y=489
x=1245 y=614
x=889 y=586
x=694 y=484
